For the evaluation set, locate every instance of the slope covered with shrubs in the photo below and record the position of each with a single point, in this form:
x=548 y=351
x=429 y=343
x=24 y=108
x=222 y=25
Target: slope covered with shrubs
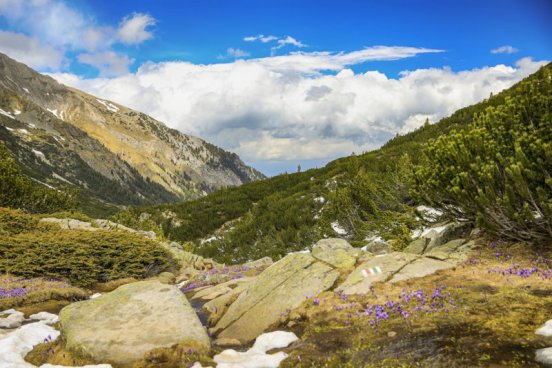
x=32 y=249
x=374 y=194
x=18 y=191
x=498 y=170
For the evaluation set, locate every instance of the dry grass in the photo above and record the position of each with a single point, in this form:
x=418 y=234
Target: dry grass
x=491 y=324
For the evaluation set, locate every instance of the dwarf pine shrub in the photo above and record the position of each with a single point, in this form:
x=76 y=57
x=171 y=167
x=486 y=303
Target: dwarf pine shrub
x=497 y=171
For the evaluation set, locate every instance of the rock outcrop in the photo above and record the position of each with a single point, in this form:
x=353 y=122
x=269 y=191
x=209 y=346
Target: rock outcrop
x=121 y=326
x=337 y=253
x=281 y=287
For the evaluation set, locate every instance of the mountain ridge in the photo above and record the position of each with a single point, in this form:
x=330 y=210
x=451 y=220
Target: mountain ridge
x=43 y=122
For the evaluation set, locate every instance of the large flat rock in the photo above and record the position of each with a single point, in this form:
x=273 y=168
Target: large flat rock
x=384 y=266
x=121 y=326
x=282 y=286
x=419 y=268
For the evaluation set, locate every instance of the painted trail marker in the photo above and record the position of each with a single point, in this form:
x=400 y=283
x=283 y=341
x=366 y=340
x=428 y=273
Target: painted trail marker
x=372 y=271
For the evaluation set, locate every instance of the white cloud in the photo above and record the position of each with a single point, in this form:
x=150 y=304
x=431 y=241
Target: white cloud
x=61 y=28
x=30 y=50
x=271 y=110
x=280 y=41
x=234 y=53
x=288 y=40
x=262 y=38
x=108 y=63
x=504 y=50
x=134 y=28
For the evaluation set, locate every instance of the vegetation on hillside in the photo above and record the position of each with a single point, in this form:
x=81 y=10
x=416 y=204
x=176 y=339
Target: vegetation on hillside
x=32 y=249
x=369 y=195
x=18 y=191
x=498 y=170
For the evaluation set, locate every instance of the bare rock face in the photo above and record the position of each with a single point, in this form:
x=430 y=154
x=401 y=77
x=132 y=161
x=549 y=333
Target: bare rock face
x=377 y=268
x=281 y=287
x=121 y=326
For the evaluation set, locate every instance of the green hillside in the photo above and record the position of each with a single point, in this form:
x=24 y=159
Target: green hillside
x=359 y=196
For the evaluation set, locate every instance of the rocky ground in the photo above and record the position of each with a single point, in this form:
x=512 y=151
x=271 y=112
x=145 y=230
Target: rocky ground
x=450 y=298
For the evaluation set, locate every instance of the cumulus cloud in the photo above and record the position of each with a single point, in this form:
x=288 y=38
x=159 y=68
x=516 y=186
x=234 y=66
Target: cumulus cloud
x=59 y=28
x=269 y=113
x=504 y=50
x=109 y=63
x=134 y=28
x=30 y=50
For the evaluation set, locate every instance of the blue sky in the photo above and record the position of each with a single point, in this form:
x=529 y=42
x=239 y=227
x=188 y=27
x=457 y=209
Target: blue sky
x=325 y=78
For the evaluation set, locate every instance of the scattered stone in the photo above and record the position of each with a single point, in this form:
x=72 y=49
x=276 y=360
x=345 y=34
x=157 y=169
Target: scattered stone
x=377 y=247
x=257 y=356
x=213 y=292
x=281 y=287
x=360 y=280
x=450 y=250
x=121 y=326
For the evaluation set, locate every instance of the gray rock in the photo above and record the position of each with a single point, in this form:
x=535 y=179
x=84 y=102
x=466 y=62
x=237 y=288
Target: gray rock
x=420 y=267
x=417 y=246
x=360 y=280
x=377 y=247
x=336 y=252
x=121 y=326
x=282 y=286
x=453 y=230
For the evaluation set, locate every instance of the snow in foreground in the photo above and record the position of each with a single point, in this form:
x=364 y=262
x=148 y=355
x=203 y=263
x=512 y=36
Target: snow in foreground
x=257 y=356
x=15 y=345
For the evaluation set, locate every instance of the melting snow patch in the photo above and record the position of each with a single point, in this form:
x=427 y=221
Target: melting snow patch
x=546 y=329
x=438 y=229
x=16 y=112
x=17 y=344
x=26 y=90
x=6 y=114
x=257 y=356
x=429 y=212
x=10 y=129
x=14 y=319
x=338 y=229
x=55 y=112
x=45 y=317
x=320 y=199
x=38 y=153
x=108 y=105
x=94 y=296
x=24 y=131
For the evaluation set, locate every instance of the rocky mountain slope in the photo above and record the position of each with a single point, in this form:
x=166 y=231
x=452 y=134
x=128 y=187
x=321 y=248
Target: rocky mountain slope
x=121 y=156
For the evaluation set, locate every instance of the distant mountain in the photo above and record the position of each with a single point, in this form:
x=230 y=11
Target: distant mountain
x=120 y=156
